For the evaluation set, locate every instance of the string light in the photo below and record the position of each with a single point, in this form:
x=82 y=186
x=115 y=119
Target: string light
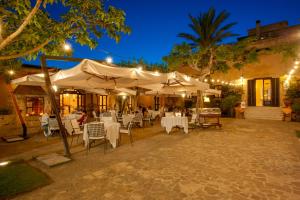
x=109 y=59
x=67 y=47
x=11 y=72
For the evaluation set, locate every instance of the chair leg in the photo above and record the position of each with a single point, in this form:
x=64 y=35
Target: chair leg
x=77 y=138
x=131 y=140
x=120 y=139
x=105 y=145
x=71 y=140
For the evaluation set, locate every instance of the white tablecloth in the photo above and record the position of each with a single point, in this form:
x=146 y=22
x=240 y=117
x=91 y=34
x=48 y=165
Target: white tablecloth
x=170 y=122
x=127 y=118
x=154 y=113
x=112 y=133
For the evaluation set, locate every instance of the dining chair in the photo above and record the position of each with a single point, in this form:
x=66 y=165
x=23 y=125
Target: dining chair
x=127 y=131
x=95 y=116
x=77 y=131
x=95 y=132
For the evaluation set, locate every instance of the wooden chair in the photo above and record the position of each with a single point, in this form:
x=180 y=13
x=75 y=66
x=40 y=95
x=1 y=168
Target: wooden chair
x=147 y=118
x=127 y=131
x=77 y=131
x=95 y=132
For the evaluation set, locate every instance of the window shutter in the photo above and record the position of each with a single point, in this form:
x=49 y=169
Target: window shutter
x=275 y=92
x=251 y=93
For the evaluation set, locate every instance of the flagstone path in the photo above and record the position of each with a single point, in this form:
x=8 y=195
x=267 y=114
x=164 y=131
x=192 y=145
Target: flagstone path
x=246 y=159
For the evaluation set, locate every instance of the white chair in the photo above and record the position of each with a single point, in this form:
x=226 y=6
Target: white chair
x=95 y=116
x=147 y=118
x=193 y=122
x=106 y=119
x=127 y=131
x=138 y=119
x=95 y=132
x=53 y=126
x=77 y=131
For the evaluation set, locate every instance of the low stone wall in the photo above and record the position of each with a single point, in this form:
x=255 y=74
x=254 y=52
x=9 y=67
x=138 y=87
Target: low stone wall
x=10 y=125
x=33 y=124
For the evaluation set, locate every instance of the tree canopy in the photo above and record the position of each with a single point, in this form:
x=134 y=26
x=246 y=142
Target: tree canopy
x=27 y=28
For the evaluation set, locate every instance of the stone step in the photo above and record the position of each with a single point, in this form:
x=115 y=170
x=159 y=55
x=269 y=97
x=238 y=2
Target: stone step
x=271 y=113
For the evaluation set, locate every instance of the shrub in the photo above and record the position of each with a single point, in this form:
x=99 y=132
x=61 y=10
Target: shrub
x=229 y=102
x=296 y=107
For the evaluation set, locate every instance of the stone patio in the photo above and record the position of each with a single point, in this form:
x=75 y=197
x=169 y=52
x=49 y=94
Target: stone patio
x=246 y=159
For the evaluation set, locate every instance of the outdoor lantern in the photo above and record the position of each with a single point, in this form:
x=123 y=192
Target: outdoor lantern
x=124 y=97
x=54 y=87
x=206 y=99
x=183 y=95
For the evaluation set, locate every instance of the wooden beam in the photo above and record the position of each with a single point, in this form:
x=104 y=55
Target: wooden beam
x=55 y=106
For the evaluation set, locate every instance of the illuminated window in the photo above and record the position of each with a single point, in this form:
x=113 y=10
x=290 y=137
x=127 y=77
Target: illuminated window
x=34 y=105
x=102 y=103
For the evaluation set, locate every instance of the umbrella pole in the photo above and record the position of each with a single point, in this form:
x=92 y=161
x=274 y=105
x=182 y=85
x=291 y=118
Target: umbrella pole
x=54 y=106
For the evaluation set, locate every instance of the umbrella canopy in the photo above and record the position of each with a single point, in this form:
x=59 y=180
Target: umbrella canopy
x=33 y=79
x=92 y=74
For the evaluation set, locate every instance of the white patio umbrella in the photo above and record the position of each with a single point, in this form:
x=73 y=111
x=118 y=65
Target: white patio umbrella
x=92 y=74
x=33 y=79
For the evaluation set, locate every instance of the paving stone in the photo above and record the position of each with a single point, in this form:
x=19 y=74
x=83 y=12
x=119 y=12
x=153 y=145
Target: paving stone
x=53 y=159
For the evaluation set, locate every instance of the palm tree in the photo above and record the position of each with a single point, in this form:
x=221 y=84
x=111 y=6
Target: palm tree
x=209 y=32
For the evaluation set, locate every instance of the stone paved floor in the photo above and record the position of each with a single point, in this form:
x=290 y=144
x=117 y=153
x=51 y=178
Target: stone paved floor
x=243 y=160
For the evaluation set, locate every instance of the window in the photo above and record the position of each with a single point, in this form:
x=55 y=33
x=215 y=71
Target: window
x=34 y=105
x=102 y=103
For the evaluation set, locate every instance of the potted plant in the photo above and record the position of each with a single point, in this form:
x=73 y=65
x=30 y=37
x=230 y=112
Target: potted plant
x=296 y=111
x=229 y=102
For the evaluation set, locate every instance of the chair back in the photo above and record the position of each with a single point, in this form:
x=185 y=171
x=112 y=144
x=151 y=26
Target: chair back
x=138 y=117
x=94 y=114
x=96 y=129
x=53 y=124
x=104 y=119
x=75 y=126
x=194 y=117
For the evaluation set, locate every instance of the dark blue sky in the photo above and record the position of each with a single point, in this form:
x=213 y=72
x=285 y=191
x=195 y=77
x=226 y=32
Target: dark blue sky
x=156 y=23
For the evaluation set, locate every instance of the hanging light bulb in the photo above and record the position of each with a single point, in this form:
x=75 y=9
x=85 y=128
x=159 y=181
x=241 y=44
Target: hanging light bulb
x=67 y=47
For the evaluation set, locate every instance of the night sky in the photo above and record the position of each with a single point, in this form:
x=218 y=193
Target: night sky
x=156 y=23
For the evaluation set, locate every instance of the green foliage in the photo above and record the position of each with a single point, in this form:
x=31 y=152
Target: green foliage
x=142 y=63
x=293 y=92
x=83 y=21
x=208 y=29
x=230 y=101
x=296 y=107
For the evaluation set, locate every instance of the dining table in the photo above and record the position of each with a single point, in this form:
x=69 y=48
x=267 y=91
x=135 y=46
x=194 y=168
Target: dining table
x=112 y=133
x=174 y=121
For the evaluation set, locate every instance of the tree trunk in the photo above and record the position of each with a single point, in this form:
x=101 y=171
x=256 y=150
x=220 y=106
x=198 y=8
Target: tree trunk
x=55 y=107
x=17 y=109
